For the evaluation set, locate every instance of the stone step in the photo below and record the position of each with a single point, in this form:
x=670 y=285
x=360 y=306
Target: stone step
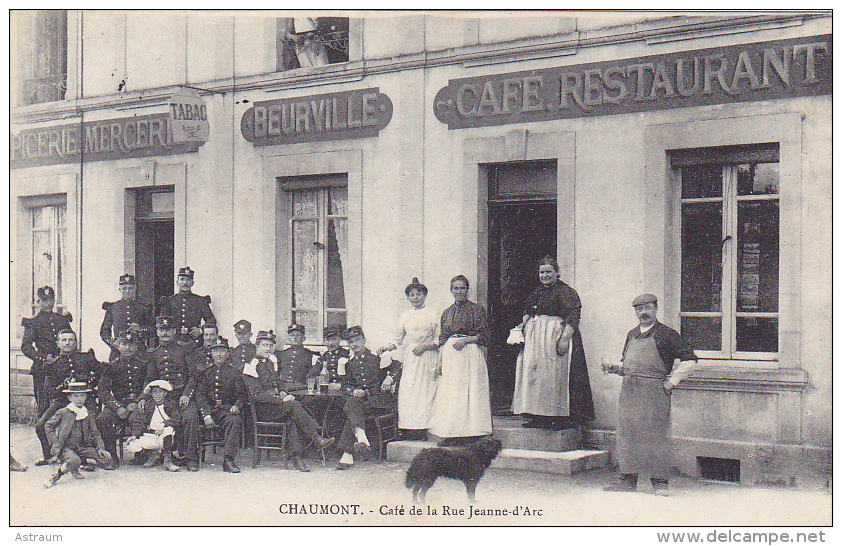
x=564 y=463
x=509 y=431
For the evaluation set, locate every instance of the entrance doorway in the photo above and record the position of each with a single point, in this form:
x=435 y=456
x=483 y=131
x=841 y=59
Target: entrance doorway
x=522 y=229
x=154 y=244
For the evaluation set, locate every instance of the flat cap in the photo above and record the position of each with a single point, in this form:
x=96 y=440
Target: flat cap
x=293 y=327
x=127 y=279
x=644 y=299
x=220 y=342
x=46 y=293
x=160 y=383
x=352 y=332
x=261 y=335
x=164 y=321
x=242 y=325
x=129 y=337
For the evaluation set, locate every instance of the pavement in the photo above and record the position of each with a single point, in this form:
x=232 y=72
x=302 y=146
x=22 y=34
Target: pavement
x=373 y=493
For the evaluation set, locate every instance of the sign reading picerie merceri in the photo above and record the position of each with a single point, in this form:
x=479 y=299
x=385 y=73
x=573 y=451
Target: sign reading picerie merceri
x=762 y=71
x=343 y=115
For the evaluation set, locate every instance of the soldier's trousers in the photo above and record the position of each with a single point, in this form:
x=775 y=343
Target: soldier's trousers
x=110 y=425
x=355 y=412
x=233 y=427
x=302 y=423
x=75 y=456
x=187 y=435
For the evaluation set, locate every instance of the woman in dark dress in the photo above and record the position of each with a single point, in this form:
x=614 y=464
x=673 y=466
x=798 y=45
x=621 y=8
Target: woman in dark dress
x=462 y=406
x=551 y=382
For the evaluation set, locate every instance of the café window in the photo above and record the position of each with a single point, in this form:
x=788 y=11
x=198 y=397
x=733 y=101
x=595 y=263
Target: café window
x=48 y=240
x=42 y=55
x=730 y=241
x=318 y=241
x=304 y=42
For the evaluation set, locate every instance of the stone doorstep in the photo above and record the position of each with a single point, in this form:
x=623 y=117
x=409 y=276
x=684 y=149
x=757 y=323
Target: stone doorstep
x=513 y=435
x=564 y=463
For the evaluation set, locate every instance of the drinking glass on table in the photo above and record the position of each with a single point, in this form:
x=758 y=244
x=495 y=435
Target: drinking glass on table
x=311 y=384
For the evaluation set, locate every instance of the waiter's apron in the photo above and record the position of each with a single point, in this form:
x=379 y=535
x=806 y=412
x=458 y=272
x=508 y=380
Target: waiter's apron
x=644 y=412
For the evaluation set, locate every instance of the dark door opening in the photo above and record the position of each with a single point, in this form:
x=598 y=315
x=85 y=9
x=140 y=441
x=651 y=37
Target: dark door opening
x=154 y=245
x=522 y=230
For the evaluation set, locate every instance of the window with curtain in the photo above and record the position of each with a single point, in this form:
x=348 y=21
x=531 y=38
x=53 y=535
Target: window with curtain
x=311 y=41
x=319 y=248
x=730 y=241
x=42 y=53
x=49 y=251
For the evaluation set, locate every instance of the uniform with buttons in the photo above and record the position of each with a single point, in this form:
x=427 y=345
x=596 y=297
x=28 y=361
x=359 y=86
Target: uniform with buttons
x=294 y=363
x=39 y=340
x=121 y=386
x=220 y=388
x=189 y=311
x=118 y=316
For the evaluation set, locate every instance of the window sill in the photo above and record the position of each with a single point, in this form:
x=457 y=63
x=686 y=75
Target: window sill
x=740 y=376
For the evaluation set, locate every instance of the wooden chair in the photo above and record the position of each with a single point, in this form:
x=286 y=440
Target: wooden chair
x=268 y=435
x=386 y=428
x=212 y=437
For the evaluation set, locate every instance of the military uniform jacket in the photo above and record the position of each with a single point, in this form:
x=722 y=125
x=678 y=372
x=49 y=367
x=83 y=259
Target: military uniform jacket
x=189 y=311
x=118 y=316
x=220 y=388
x=72 y=367
x=363 y=371
x=169 y=362
x=141 y=424
x=330 y=360
x=201 y=360
x=63 y=430
x=294 y=363
x=262 y=387
x=242 y=354
x=39 y=334
x=122 y=382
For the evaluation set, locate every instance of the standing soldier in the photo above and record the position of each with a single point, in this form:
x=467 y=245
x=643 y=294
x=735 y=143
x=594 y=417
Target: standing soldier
x=168 y=361
x=120 y=389
x=125 y=315
x=221 y=398
x=246 y=350
x=70 y=366
x=39 y=342
x=295 y=361
x=189 y=311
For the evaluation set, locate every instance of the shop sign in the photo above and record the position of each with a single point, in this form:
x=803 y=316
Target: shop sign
x=137 y=136
x=188 y=117
x=344 y=115
x=780 y=69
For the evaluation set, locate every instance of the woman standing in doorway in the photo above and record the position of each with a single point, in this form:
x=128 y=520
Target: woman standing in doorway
x=462 y=406
x=417 y=338
x=551 y=382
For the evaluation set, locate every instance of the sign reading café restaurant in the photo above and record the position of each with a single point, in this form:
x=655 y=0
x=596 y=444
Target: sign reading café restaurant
x=360 y=113
x=799 y=67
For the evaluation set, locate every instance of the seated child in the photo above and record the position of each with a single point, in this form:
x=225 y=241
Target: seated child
x=153 y=432
x=74 y=437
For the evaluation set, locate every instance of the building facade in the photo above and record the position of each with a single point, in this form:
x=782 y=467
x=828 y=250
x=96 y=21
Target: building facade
x=308 y=174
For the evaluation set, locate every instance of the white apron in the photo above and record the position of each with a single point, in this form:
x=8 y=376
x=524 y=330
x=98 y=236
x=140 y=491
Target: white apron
x=542 y=377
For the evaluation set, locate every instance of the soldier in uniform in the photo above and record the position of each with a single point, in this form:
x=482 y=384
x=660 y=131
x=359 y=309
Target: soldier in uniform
x=334 y=358
x=243 y=352
x=295 y=362
x=39 y=341
x=189 y=311
x=221 y=398
x=202 y=358
x=367 y=386
x=120 y=389
x=274 y=404
x=168 y=361
x=69 y=366
x=125 y=315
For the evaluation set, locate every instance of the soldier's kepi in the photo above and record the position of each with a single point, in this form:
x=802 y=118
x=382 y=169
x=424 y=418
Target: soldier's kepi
x=189 y=311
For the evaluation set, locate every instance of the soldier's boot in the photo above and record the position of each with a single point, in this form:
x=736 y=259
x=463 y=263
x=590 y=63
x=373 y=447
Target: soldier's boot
x=54 y=478
x=154 y=456
x=168 y=464
x=76 y=474
x=298 y=464
x=228 y=465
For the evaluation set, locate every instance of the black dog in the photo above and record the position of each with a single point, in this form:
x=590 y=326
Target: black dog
x=467 y=464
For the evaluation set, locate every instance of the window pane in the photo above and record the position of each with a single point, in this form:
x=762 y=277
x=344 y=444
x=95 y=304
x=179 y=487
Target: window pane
x=43 y=217
x=42 y=259
x=337 y=249
x=757 y=260
x=758 y=179
x=163 y=201
x=702 y=333
x=701 y=181
x=310 y=320
x=305 y=265
x=337 y=318
x=337 y=205
x=532 y=178
x=757 y=334
x=701 y=257
x=305 y=203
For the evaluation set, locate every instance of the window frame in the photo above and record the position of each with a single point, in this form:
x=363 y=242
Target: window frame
x=59 y=200
x=729 y=160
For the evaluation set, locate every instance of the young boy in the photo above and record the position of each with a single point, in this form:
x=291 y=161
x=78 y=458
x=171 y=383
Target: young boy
x=74 y=437
x=154 y=430
x=367 y=386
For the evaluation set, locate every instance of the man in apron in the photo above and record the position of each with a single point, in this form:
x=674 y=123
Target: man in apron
x=644 y=410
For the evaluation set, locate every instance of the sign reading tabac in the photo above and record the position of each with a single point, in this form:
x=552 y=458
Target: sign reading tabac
x=333 y=116
x=781 y=69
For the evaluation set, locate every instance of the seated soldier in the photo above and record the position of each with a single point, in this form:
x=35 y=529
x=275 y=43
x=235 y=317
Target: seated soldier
x=274 y=404
x=221 y=396
x=70 y=366
x=120 y=389
x=73 y=435
x=295 y=361
x=201 y=358
x=334 y=358
x=153 y=430
x=367 y=386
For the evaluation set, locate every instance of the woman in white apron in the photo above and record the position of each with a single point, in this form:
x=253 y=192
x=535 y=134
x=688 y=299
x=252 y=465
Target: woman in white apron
x=416 y=346
x=462 y=406
x=552 y=387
